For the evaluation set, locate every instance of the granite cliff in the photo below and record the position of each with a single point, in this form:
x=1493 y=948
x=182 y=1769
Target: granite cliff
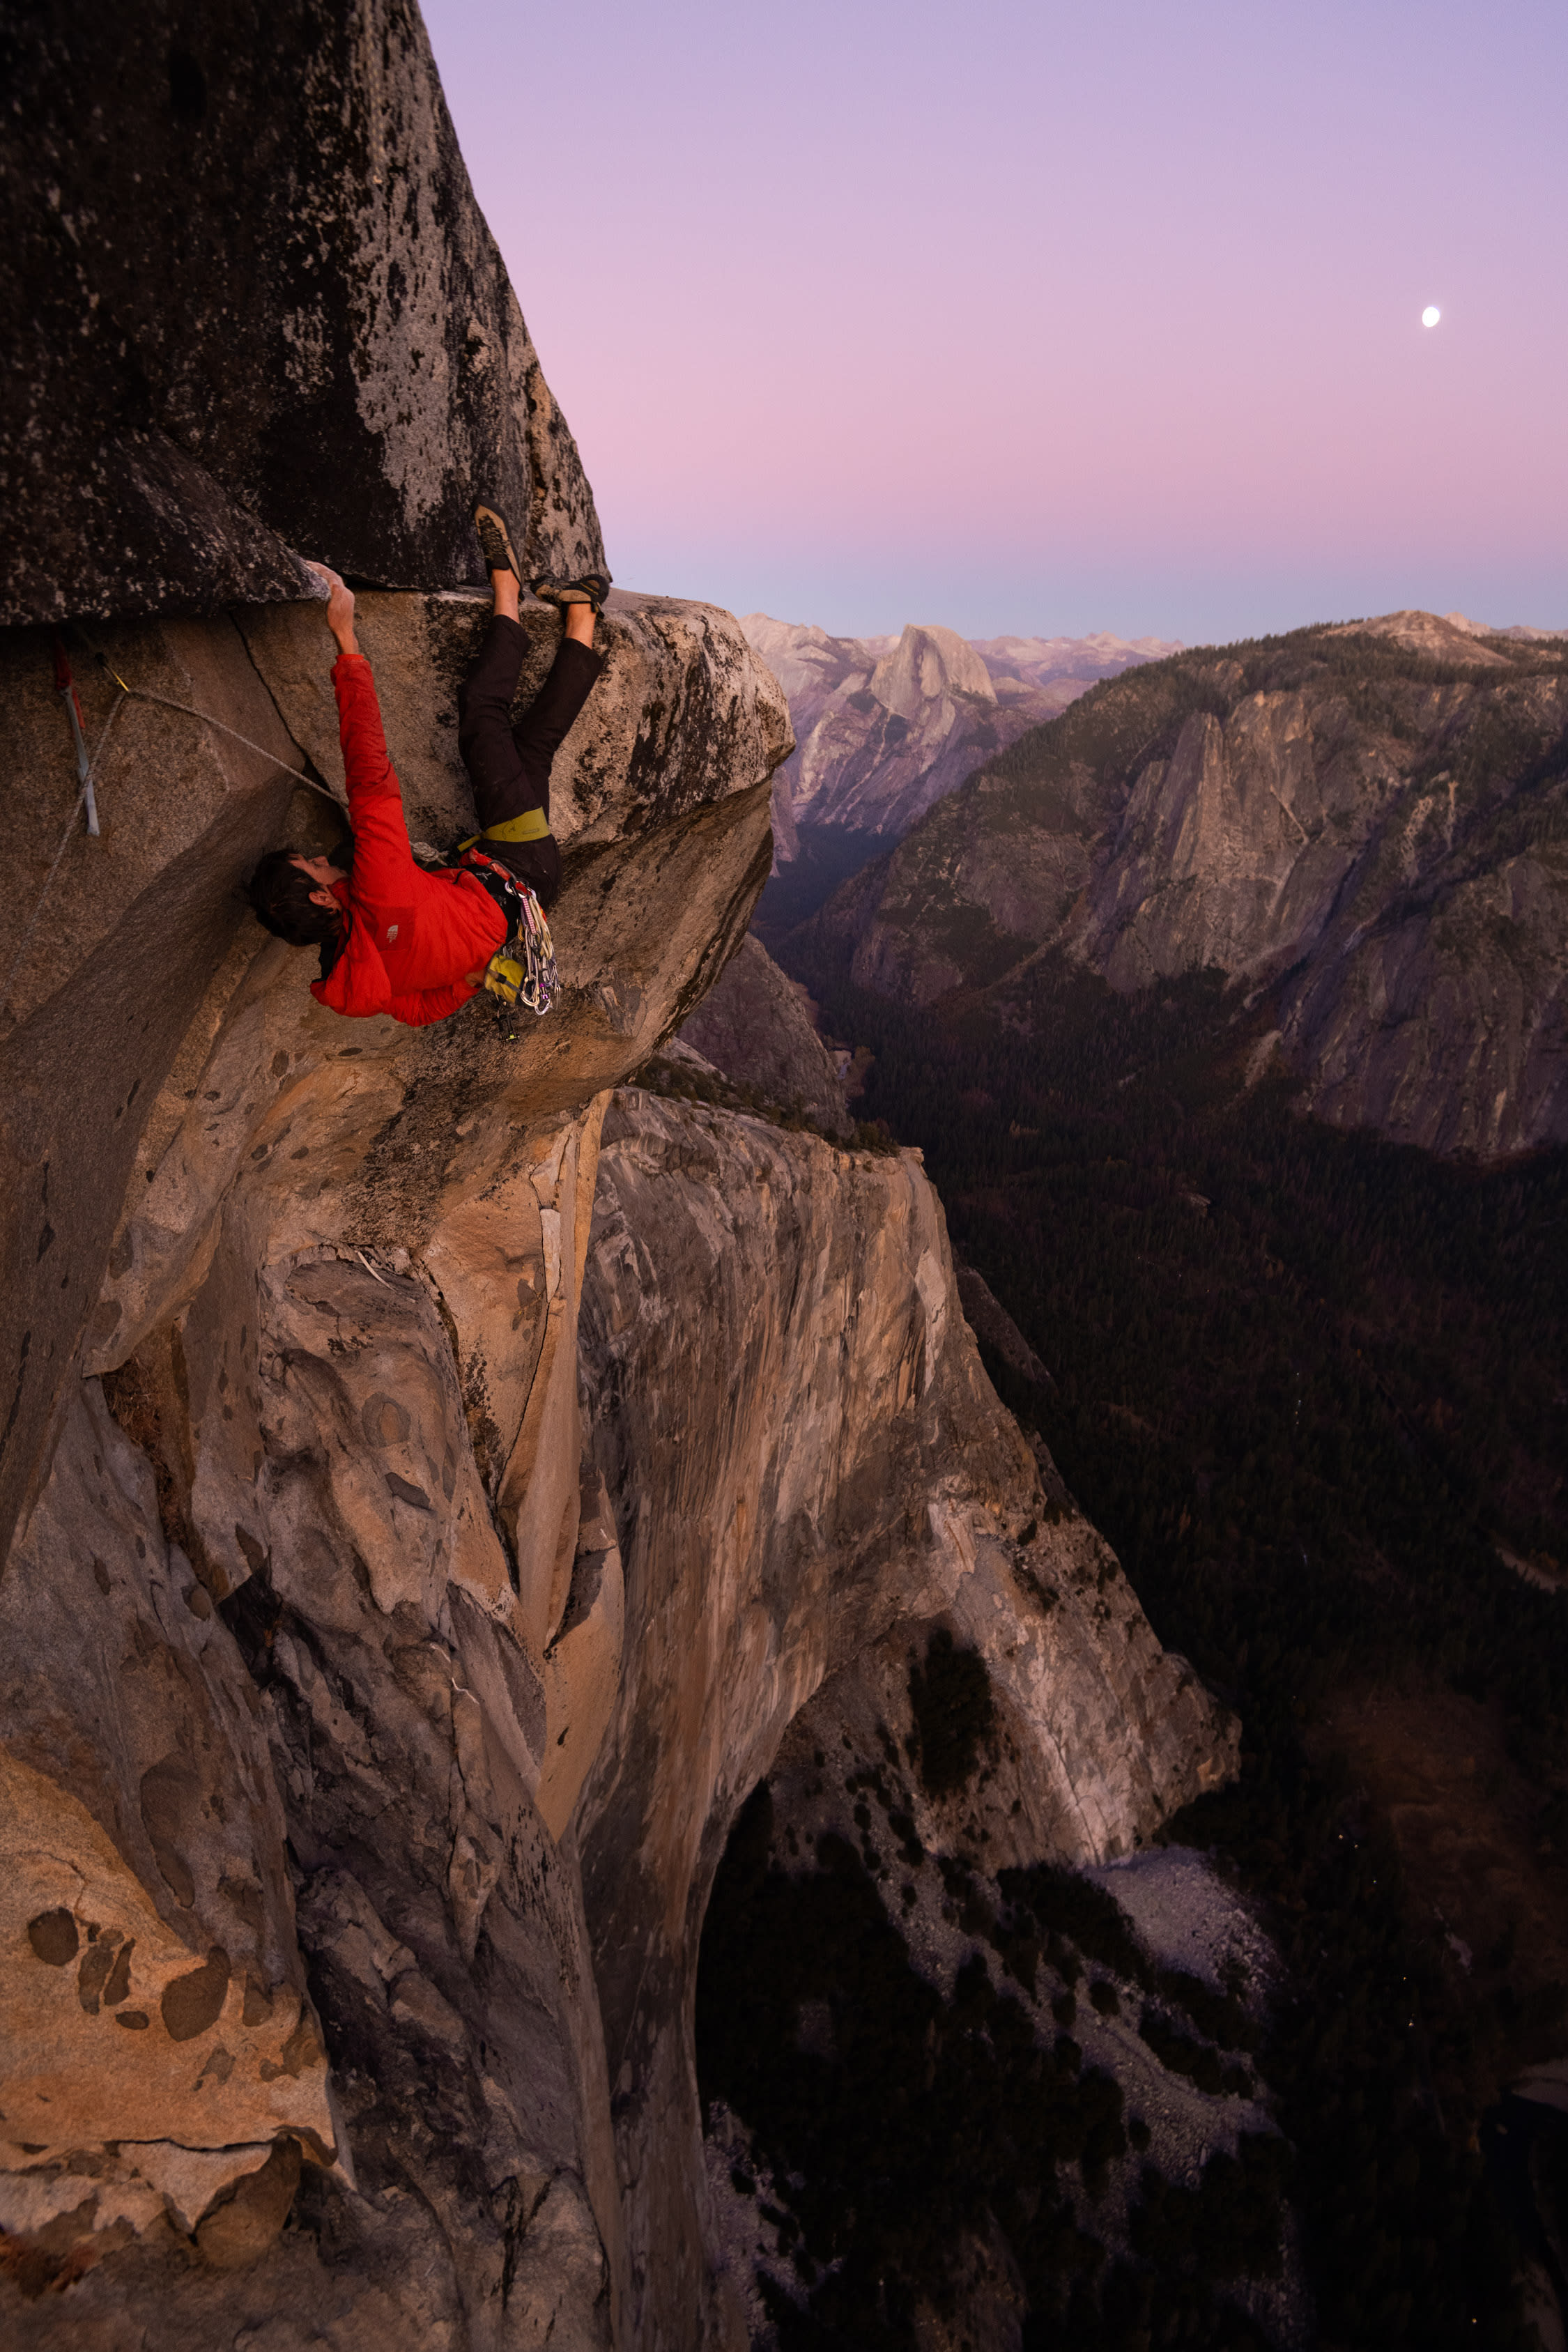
x=1362 y=827
x=885 y=726
x=437 y=1471
x=754 y=1027
x=456 y=1493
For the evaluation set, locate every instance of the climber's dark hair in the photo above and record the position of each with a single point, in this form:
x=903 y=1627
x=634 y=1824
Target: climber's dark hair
x=280 y=896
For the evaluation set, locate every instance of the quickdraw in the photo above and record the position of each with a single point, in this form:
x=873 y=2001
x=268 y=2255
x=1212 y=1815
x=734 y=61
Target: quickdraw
x=522 y=971
x=64 y=687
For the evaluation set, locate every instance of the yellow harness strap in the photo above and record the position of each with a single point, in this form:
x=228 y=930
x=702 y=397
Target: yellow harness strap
x=531 y=825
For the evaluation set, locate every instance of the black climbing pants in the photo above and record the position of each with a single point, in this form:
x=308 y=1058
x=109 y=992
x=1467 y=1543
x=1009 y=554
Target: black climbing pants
x=509 y=766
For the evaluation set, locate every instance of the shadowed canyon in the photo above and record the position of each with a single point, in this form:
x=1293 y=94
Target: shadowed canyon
x=1227 y=1007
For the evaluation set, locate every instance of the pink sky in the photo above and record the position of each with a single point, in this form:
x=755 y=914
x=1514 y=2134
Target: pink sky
x=1024 y=317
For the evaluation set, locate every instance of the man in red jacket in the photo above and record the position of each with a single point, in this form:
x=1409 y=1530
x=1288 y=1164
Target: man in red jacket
x=396 y=937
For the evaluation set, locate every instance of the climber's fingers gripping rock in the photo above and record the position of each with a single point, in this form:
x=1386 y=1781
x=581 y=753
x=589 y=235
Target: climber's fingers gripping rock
x=340 y=607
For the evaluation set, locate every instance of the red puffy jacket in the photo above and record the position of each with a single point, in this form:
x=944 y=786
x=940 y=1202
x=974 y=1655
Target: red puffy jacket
x=413 y=936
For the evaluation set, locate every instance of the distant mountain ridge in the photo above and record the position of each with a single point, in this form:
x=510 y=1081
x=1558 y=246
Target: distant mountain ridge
x=1040 y=661
x=886 y=727
x=1365 y=823
x=1519 y=629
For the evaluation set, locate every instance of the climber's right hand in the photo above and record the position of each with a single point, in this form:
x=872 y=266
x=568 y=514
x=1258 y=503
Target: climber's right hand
x=340 y=607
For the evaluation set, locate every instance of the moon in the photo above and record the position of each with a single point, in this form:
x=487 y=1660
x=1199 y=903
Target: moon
x=1430 y=315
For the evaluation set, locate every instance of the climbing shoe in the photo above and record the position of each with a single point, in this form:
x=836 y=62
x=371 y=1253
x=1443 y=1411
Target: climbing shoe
x=589 y=588
x=495 y=542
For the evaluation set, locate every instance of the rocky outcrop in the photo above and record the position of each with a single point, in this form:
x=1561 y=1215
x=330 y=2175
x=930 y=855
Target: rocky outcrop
x=991 y=1324
x=784 y=1395
x=416 y=1563
x=658 y=784
x=289 y=1461
x=255 y=308
x=886 y=726
x=1365 y=823
x=753 y=1026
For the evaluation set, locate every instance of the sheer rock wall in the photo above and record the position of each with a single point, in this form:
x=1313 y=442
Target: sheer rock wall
x=809 y=1459
x=311 y=1627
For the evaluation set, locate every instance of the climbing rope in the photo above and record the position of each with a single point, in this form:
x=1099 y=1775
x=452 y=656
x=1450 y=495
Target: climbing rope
x=64 y=840
x=141 y=694
x=146 y=694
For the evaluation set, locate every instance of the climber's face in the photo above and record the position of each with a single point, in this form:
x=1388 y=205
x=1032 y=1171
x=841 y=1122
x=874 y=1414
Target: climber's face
x=322 y=871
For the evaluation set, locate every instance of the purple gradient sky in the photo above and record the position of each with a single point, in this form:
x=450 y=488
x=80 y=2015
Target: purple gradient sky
x=1024 y=317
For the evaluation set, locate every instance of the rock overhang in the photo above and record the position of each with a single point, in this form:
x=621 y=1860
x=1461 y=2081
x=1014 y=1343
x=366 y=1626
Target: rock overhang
x=260 y=311
x=663 y=791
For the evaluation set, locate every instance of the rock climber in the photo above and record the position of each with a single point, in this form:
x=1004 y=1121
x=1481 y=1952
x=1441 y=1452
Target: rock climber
x=397 y=936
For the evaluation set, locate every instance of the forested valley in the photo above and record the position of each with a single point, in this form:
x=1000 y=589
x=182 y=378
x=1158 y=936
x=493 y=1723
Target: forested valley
x=1313 y=1388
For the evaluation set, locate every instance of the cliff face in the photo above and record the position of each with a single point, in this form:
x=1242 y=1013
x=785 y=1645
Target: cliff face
x=283 y=1711
x=255 y=309
x=784 y=1395
x=754 y=1027
x=651 y=791
x=886 y=726
x=378 y=1711
x=387 y=1656
x=1366 y=822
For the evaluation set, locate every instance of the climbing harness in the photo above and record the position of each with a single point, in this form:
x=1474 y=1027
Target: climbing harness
x=531 y=825
x=88 y=769
x=522 y=971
